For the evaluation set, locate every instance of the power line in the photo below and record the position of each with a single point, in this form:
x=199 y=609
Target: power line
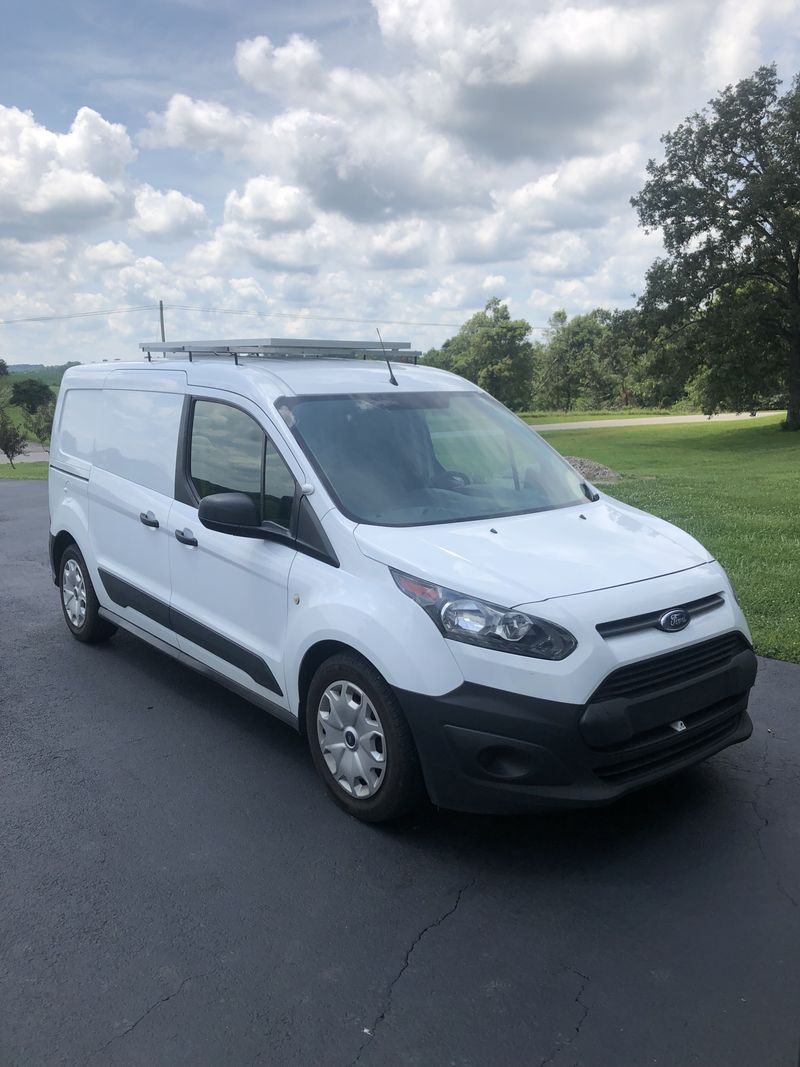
x=79 y=315
x=314 y=317
x=320 y=317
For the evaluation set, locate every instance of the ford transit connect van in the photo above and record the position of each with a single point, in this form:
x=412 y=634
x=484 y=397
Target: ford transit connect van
x=391 y=562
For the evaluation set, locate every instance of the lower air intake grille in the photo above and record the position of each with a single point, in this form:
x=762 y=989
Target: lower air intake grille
x=660 y=672
x=661 y=756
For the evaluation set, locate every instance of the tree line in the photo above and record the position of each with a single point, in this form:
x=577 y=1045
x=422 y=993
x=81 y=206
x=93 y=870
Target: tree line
x=718 y=322
x=35 y=402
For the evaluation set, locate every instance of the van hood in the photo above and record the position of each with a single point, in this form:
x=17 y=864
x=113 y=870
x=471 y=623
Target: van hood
x=522 y=559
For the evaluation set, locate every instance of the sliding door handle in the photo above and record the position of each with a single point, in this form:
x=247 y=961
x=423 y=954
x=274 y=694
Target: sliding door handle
x=185 y=537
x=147 y=518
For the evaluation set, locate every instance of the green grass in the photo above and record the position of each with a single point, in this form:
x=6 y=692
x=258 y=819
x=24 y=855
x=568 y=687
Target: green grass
x=23 y=471
x=734 y=487
x=536 y=417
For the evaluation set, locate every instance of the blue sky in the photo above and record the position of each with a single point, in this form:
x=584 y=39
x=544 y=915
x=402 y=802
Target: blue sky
x=307 y=163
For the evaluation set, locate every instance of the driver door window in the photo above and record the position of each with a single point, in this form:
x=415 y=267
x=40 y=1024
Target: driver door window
x=230 y=453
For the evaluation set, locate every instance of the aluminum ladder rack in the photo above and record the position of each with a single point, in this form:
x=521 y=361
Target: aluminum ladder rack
x=282 y=348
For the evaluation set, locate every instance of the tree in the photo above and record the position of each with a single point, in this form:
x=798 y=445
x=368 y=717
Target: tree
x=39 y=425
x=492 y=350
x=726 y=196
x=590 y=361
x=3 y=368
x=12 y=440
x=30 y=394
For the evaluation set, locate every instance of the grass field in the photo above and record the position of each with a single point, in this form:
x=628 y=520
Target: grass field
x=735 y=487
x=23 y=471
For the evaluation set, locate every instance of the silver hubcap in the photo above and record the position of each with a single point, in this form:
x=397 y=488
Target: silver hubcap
x=351 y=738
x=73 y=592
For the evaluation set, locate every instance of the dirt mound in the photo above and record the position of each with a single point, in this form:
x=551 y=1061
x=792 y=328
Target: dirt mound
x=595 y=472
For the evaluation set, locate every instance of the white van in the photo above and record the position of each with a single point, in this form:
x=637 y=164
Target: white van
x=390 y=561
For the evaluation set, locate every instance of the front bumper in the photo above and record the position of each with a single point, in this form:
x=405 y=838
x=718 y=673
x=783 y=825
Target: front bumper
x=485 y=750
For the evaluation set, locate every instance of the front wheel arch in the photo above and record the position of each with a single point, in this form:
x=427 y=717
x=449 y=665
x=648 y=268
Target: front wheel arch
x=312 y=660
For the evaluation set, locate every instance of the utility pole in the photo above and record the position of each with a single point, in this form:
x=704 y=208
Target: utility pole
x=161 y=316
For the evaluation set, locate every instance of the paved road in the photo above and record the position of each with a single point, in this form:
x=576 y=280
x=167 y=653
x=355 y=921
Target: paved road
x=35 y=454
x=176 y=888
x=648 y=420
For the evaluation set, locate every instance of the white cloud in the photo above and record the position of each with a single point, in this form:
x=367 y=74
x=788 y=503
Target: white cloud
x=34 y=256
x=108 y=254
x=297 y=64
x=268 y=205
x=734 y=42
x=166 y=216
x=493 y=283
x=518 y=82
x=59 y=183
x=200 y=125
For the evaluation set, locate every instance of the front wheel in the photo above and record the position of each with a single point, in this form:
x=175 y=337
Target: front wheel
x=360 y=741
x=78 y=600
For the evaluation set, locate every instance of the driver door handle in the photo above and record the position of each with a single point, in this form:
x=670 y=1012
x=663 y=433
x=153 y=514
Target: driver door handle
x=147 y=518
x=185 y=537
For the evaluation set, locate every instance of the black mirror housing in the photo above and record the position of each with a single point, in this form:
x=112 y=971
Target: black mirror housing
x=230 y=513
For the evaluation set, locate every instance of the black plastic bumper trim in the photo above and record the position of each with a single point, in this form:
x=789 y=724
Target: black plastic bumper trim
x=485 y=750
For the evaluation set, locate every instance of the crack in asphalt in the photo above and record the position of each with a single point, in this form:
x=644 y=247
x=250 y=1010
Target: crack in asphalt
x=386 y=1004
x=145 y=1013
x=579 y=1026
x=757 y=791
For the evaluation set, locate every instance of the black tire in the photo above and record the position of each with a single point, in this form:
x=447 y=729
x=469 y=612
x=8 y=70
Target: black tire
x=91 y=627
x=401 y=787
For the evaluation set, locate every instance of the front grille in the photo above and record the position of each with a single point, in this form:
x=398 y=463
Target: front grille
x=634 y=623
x=672 y=668
x=661 y=756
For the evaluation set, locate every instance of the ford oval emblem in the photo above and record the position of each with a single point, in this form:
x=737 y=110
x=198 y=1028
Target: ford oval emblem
x=674 y=620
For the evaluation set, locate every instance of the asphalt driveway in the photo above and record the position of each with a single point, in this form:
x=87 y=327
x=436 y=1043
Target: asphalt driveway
x=177 y=889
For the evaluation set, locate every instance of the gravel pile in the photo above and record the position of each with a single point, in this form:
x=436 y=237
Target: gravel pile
x=595 y=472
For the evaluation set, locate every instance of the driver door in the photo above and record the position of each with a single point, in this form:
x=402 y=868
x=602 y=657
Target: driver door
x=229 y=594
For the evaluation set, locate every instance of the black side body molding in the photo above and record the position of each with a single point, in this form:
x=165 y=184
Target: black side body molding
x=72 y=474
x=128 y=596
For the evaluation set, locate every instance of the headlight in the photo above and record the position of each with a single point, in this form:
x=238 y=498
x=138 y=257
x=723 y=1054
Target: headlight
x=463 y=618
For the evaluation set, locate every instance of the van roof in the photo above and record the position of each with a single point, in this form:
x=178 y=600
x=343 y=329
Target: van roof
x=272 y=378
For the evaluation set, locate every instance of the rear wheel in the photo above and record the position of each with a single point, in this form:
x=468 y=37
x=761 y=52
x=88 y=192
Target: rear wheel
x=360 y=741
x=78 y=601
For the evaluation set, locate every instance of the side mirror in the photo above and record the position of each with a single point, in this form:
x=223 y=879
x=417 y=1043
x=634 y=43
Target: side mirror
x=231 y=513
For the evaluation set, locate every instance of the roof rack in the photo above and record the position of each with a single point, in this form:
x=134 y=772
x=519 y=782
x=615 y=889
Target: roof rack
x=283 y=348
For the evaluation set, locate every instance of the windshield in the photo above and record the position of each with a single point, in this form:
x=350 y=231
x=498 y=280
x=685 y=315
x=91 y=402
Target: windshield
x=413 y=459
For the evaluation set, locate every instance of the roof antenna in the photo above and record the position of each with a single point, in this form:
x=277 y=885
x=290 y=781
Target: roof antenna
x=392 y=378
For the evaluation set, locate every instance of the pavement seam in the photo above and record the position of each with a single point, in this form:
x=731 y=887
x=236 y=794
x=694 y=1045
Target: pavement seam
x=386 y=1005
x=145 y=1013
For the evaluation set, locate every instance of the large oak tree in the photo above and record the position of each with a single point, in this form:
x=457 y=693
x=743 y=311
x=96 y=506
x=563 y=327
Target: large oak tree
x=727 y=198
